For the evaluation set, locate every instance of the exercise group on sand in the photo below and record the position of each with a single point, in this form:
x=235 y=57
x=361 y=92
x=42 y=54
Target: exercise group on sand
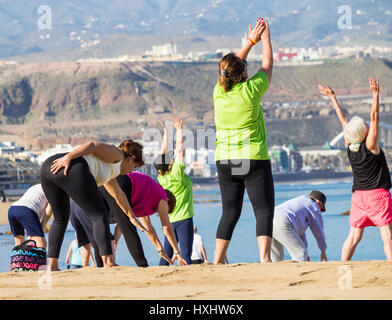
x=97 y=184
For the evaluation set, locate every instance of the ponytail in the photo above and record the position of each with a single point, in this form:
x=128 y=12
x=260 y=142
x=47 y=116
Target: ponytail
x=231 y=71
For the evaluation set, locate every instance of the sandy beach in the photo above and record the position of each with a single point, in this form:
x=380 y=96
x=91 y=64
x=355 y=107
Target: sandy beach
x=333 y=280
x=282 y=281
x=4 y=212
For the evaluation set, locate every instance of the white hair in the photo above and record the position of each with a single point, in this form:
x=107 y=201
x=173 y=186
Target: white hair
x=355 y=133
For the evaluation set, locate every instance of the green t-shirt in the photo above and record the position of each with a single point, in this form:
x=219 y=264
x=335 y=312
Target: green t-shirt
x=239 y=120
x=181 y=186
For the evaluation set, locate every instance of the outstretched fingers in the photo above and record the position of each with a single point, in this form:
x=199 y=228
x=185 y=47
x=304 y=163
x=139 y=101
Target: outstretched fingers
x=164 y=255
x=325 y=90
x=177 y=122
x=374 y=85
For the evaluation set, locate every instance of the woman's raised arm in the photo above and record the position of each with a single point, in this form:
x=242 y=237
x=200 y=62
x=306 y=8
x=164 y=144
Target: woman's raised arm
x=254 y=37
x=373 y=135
x=164 y=138
x=268 y=57
x=180 y=151
x=338 y=109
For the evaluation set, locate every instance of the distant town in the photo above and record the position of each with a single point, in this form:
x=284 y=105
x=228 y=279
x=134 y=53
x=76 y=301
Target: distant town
x=283 y=56
x=19 y=168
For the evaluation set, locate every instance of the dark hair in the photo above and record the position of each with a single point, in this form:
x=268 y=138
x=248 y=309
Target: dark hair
x=231 y=71
x=163 y=162
x=171 y=200
x=131 y=148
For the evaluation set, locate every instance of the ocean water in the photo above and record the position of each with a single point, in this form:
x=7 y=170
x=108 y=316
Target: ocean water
x=243 y=247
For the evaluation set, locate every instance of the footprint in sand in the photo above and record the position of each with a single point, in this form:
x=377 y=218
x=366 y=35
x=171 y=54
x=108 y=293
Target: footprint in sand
x=307 y=272
x=167 y=274
x=300 y=283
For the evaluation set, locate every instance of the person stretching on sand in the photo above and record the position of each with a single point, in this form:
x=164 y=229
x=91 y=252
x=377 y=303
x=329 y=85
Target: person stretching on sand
x=171 y=176
x=77 y=256
x=84 y=233
x=147 y=197
x=77 y=175
x=291 y=220
x=371 y=202
x=241 y=156
x=31 y=213
x=199 y=254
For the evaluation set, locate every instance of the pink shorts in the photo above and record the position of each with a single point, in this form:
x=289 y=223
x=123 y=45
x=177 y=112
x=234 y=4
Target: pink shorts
x=371 y=208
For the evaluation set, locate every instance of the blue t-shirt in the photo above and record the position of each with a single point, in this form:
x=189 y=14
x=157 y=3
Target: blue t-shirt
x=76 y=256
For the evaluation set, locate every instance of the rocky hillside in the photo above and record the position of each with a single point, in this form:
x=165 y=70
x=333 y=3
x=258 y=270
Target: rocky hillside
x=59 y=101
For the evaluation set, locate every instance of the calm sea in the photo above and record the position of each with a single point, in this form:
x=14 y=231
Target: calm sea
x=243 y=247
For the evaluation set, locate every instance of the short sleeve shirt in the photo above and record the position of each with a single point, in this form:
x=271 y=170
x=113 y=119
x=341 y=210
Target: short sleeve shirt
x=239 y=120
x=179 y=183
x=146 y=194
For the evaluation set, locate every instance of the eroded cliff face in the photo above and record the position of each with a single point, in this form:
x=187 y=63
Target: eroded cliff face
x=63 y=101
x=53 y=92
x=16 y=98
x=66 y=101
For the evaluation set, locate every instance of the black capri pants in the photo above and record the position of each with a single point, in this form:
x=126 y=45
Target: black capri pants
x=129 y=231
x=255 y=176
x=80 y=185
x=84 y=230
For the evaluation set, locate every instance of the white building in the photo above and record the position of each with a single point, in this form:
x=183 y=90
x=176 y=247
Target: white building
x=307 y=54
x=8 y=147
x=166 y=50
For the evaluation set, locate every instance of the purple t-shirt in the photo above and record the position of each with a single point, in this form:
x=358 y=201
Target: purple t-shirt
x=146 y=194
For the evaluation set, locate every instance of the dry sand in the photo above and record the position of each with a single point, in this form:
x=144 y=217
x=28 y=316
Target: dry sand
x=242 y=281
x=283 y=280
x=4 y=213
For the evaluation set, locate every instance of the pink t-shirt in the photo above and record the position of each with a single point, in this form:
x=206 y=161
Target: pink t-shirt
x=146 y=194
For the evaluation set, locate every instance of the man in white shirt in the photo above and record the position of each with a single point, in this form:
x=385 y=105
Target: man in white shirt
x=198 y=251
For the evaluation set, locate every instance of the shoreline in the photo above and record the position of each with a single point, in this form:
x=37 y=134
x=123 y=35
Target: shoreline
x=285 y=280
x=209 y=185
x=202 y=187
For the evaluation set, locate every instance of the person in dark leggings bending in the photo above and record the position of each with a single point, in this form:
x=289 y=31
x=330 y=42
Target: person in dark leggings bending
x=77 y=175
x=146 y=197
x=85 y=235
x=241 y=156
x=131 y=237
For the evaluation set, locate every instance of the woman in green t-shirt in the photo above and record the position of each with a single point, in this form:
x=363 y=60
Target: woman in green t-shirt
x=242 y=157
x=172 y=176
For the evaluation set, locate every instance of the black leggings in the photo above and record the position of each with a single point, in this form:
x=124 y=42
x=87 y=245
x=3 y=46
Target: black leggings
x=127 y=228
x=84 y=230
x=80 y=185
x=256 y=177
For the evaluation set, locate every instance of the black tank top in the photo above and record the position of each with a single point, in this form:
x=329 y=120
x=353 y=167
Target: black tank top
x=370 y=171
